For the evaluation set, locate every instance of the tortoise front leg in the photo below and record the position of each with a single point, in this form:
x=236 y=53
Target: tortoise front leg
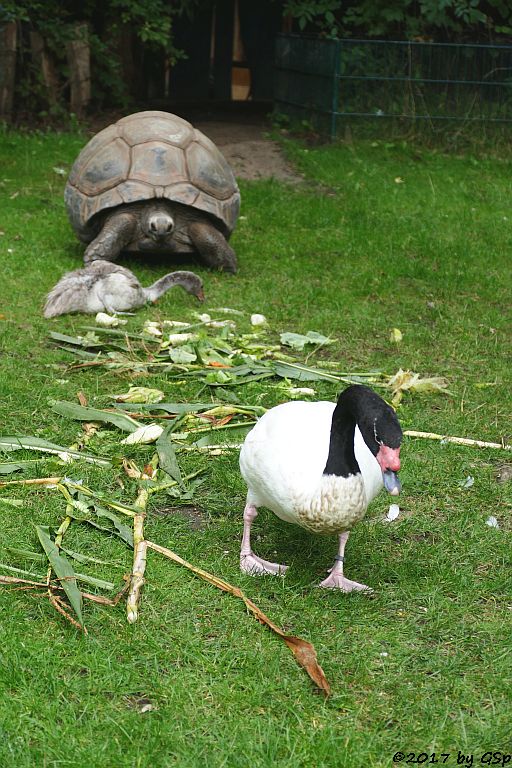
x=117 y=231
x=212 y=246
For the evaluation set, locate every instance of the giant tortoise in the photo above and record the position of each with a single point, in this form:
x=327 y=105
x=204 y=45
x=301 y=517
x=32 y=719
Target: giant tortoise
x=153 y=183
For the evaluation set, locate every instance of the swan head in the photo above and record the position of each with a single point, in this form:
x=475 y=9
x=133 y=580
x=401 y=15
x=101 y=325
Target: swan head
x=382 y=433
x=387 y=437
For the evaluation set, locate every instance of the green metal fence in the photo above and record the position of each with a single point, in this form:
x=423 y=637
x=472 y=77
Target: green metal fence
x=325 y=80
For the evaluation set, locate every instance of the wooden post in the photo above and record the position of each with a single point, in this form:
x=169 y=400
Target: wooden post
x=79 y=61
x=43 y=60
x=8 y=39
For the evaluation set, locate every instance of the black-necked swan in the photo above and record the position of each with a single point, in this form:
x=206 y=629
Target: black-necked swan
x=319 y=465
x=102 y=286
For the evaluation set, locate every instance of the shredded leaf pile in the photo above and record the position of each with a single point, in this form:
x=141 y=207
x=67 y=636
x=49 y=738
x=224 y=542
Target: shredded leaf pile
x=221 y=359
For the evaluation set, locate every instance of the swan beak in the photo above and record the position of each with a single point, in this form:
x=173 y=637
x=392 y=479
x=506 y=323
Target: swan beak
x=200 y=295
x=391 y=482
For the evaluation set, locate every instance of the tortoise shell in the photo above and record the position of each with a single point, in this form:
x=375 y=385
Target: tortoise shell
x=145 y=156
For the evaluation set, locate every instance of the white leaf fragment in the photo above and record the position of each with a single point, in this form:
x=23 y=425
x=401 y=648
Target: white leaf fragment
x=492 y=522
x=222 y=324
x=468 y=482
x=393 y=512
x=183 y=355
x=152 y=328
x=257 y=319
x=174 y=324
x=301 y=392
x=181 y=338
x=228 y=311
x=145 y=434
x=109 y=321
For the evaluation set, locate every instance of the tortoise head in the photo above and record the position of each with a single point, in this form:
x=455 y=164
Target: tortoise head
x=158 y=224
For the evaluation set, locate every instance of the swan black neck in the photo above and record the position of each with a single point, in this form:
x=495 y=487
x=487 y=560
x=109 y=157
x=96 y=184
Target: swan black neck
x=341 y=460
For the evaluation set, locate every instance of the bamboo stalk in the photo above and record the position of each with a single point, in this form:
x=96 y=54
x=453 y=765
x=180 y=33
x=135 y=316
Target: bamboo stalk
x=139 y=557
x=457 y=440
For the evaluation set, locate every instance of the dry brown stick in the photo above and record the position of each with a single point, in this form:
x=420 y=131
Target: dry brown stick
x=108 y=600
x=457 y=440
x=17 y=580
x=11 y=580
x=57 y=604
x=303 y=651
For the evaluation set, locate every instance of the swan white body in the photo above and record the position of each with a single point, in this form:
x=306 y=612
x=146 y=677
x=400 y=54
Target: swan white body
x=311 y=464
x=282 y=461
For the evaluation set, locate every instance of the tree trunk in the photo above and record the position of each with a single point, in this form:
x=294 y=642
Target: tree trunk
x=8 y=38
x=42 y=59
x=79 y=61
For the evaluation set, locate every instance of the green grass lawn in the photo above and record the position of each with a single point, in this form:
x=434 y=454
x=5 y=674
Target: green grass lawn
x=378 y=236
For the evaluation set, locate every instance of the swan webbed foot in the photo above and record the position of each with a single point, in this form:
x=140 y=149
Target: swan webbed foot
x=256 y=566
x=336 y=580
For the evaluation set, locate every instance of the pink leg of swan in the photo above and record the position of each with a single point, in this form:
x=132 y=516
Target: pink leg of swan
x=249 y=562
x=336 y=579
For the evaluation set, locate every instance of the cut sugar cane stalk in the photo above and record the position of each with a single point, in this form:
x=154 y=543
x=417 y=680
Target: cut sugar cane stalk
x=34 y=481
x=303 y=651
x=457 y=440
x=139 y=557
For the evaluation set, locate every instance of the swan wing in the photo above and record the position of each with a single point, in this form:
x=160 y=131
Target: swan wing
x=70 y=293
x=284 y=455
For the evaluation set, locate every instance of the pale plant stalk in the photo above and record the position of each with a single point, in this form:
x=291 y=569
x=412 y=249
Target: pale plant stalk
x=457 y=440
x=139 y=557
x=34 y=481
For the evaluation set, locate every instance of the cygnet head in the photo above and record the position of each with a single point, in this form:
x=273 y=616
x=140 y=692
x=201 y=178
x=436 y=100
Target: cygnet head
x=189 y=281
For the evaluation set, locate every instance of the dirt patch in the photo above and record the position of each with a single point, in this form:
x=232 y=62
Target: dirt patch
x=196 y=517
x=250 y=153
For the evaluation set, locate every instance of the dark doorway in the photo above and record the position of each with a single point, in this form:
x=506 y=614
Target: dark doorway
x=229 y=47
